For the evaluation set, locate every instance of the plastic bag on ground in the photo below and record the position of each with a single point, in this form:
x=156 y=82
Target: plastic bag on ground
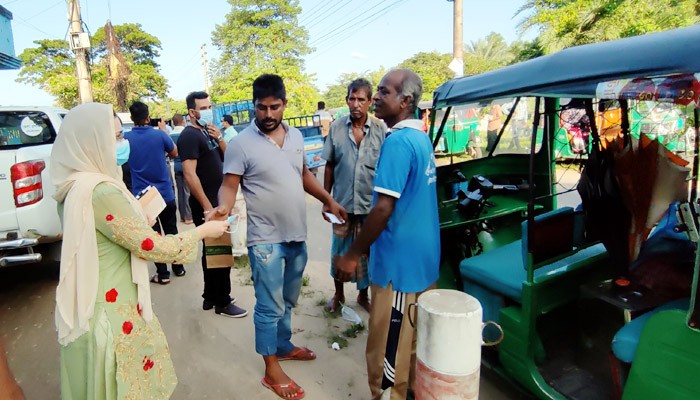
x=351 y=315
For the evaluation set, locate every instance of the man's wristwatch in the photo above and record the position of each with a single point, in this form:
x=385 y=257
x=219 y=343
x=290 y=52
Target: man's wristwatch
x=220 y=138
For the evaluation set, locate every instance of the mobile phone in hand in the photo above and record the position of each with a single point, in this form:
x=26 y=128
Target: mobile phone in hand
x=333 y=218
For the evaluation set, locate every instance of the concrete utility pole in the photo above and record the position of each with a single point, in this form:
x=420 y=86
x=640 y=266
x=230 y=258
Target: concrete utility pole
x=457 y=64
x=80 y=43
x=206 y=68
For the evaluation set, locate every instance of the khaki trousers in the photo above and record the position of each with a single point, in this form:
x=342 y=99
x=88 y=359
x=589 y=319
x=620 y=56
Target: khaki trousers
x=391 y=343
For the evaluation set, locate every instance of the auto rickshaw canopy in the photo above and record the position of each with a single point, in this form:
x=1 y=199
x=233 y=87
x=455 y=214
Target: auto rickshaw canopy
x=577 y=71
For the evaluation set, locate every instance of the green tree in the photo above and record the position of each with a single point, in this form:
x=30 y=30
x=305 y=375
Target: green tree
x=376 y=76
x=51 y=66
x=166 y=108
x=335 y=94
x=432 y=68
x=140 y=49
x=486 y=54
x=566 y=23
x=263 y=37
x=140 y=46
x=525 y=50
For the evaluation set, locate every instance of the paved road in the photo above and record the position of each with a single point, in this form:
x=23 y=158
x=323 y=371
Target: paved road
x=213 y=356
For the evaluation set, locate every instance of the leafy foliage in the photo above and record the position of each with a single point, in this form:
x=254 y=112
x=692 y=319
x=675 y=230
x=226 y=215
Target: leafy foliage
x=565 y=23
x=141 y=47
x=486 y=54
x=263 y=37
x=140 y=50
x=51 y=66
x=524 y=50
x=335 y=94
x=166 y=108
x=481 y=55
x=432 y=68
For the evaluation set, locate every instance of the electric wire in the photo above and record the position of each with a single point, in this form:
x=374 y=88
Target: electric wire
x=330 y=24
x=334 y=8
x=45 y=10
x=187 y=66
x=313 y=10
x=350 y=21
x=31 y=25
x=26 y=20
x=350 y=26
x=368 y=21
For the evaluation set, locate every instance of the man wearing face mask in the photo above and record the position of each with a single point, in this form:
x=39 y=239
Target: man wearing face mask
x=123 y=151
x=202 y=150
x=147 y=149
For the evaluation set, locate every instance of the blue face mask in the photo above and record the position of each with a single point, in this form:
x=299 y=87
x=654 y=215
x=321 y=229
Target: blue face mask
x=206 y=117
x=123 y=151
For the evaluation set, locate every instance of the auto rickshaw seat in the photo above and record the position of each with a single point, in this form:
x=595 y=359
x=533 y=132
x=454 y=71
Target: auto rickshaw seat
x=667 y=361
x=551 y=253
x=626 y=340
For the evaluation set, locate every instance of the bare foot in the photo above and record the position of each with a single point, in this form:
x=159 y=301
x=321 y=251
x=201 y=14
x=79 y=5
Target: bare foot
x=363 y=300
x=333 y=304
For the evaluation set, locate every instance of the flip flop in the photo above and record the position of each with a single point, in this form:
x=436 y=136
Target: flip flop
x=156 y=279
x=298 y=354
x=298 y=394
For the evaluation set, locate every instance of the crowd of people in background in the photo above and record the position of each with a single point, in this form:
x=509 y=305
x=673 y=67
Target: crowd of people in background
x=379 y=191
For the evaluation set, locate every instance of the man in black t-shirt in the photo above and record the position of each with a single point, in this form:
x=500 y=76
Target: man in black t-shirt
x=202 y=148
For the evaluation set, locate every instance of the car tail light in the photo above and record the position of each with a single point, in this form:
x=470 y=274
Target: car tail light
x=26 y=182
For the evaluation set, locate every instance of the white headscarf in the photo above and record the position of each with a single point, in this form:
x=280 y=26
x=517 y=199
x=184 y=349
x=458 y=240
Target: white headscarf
x=83 y=156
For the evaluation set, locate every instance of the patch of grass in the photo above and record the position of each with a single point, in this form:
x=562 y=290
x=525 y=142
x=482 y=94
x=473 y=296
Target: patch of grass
x=241 y=262
x=305 y=280
x=247 y=281
x=353 y=330
x=322 y=302
x=307 y=293
x=342 y=342
x=329 y=314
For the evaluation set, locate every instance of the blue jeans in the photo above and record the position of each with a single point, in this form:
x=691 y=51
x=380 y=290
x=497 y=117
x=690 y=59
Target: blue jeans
x=277 y=274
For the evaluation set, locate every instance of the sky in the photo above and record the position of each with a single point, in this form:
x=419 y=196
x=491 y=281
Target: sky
x=348 y=35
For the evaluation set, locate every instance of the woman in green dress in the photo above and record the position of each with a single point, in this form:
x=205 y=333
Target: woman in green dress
x=112 y=346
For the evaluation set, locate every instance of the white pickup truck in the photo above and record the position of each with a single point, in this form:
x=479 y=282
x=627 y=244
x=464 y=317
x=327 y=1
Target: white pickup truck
x=29 y=223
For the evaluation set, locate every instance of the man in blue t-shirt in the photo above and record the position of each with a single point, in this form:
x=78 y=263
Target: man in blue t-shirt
x=403 y=231
x=147 y=163
x=183 y=191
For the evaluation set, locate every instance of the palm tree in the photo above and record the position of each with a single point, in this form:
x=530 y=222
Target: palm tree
x=486 y=54
x=565 y=23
